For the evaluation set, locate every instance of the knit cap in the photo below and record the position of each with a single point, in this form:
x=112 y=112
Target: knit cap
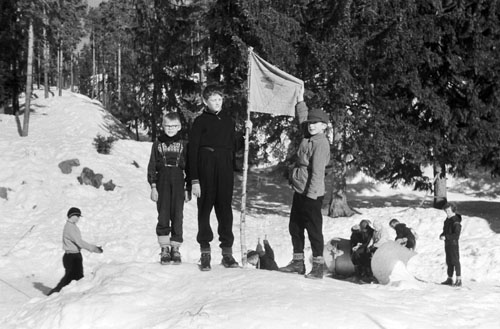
x=74 y=211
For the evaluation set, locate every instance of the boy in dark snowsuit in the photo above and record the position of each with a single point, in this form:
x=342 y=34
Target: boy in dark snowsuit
x=451 y=235
x=308 y=181
x=169 y=186
x=212 y=143
x=404 y=234
x=262 y=258
x=72 y=244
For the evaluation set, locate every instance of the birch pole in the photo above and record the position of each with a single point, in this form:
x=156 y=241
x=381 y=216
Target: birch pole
x=245 y=172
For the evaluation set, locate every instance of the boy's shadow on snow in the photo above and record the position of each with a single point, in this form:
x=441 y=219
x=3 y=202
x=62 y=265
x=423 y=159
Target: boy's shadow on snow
x=43 y=288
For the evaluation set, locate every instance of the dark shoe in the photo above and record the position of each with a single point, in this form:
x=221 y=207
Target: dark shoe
x=448 y=282
x=458 y=283
x=176 y=256
x=205 y=261
x=165 y=257
x=317 y=270
x=229 y=261
x=295 y=266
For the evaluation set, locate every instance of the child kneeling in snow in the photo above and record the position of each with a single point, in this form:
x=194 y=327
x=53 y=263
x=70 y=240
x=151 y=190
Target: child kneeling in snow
x=72 y=244
x=405 y=236
x=262 y=258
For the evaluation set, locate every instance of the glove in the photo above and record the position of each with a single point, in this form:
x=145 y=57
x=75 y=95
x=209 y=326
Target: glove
x=98 y=250
x=154 y=194
x=196 y=190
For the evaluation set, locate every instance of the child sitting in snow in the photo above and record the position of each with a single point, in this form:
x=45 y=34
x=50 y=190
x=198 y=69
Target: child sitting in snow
x=262 y=258
x=72 y=244
x=450 y=235
x=404 y=235
x=169 y=186
x=361 y=237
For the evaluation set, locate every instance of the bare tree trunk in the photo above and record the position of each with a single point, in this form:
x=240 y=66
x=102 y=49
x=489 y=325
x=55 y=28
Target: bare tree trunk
x=45 y=56
x=59 y=68
x=94 y=78
x=440 y=197
x=29 y=81
x=71 y=73
x=119 y=75
x=338 y=204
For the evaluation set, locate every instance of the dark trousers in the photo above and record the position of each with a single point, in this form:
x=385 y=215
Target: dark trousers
x=73 y=267
x=306 y=215
x=170 y=203
x=453 y=259
x=216 y=184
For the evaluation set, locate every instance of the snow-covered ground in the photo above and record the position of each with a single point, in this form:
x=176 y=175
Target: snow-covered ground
x=126 y=287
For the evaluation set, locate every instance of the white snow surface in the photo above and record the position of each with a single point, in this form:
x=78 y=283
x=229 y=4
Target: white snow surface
x=126 y=287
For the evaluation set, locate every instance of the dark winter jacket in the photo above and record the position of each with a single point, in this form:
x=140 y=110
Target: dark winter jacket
x=402 y=231
x=167 y=152
x=212 y=131
x=452 y=229
x=266 y=259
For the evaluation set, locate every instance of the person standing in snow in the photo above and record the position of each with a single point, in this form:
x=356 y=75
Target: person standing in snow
x=212 y=144
x=170 y=187
x=404 y=235
x=72 y=244
x=451 y=234
x=262 y=258
x=308 y=181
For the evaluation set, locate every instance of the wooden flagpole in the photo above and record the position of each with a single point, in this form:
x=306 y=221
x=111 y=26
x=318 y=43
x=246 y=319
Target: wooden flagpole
x=245 y=170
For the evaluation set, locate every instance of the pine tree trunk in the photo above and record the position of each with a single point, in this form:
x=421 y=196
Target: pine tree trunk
x=29 y=80
x=440 y=197
x=338 y=204
x=119 y=74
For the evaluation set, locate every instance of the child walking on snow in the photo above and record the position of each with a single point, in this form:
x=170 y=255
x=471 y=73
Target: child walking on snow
x=169 y=187
x=72 y=244
x=451 y=235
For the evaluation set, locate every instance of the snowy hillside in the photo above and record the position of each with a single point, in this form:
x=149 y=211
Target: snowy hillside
x=127 y=288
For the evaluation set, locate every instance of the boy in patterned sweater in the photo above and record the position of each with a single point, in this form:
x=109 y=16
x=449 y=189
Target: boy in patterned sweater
x=170 y=187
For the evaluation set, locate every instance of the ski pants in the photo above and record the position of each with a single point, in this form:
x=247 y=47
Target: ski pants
x=306 y=215
x=453 y=259
x=216 y=184
x=73 y=268
x=170 y=203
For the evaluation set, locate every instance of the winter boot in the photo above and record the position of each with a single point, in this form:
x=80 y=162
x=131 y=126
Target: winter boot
x=296 y=265
x=317 y=268
x=228 y=261
x=165 y=256
x=448 y=282
x=176 y=255
x=205 y=261
x=458 y=283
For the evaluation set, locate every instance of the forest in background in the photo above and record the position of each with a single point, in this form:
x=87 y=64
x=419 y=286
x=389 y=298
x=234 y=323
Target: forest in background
x=406 y=84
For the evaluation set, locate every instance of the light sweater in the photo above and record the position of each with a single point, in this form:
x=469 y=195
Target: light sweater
x=72 y=239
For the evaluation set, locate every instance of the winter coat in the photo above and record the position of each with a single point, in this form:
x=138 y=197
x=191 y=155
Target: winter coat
x=266 y=260
x=402 y=231
x=451 y=229
x=308 y=175
x=167 y=152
